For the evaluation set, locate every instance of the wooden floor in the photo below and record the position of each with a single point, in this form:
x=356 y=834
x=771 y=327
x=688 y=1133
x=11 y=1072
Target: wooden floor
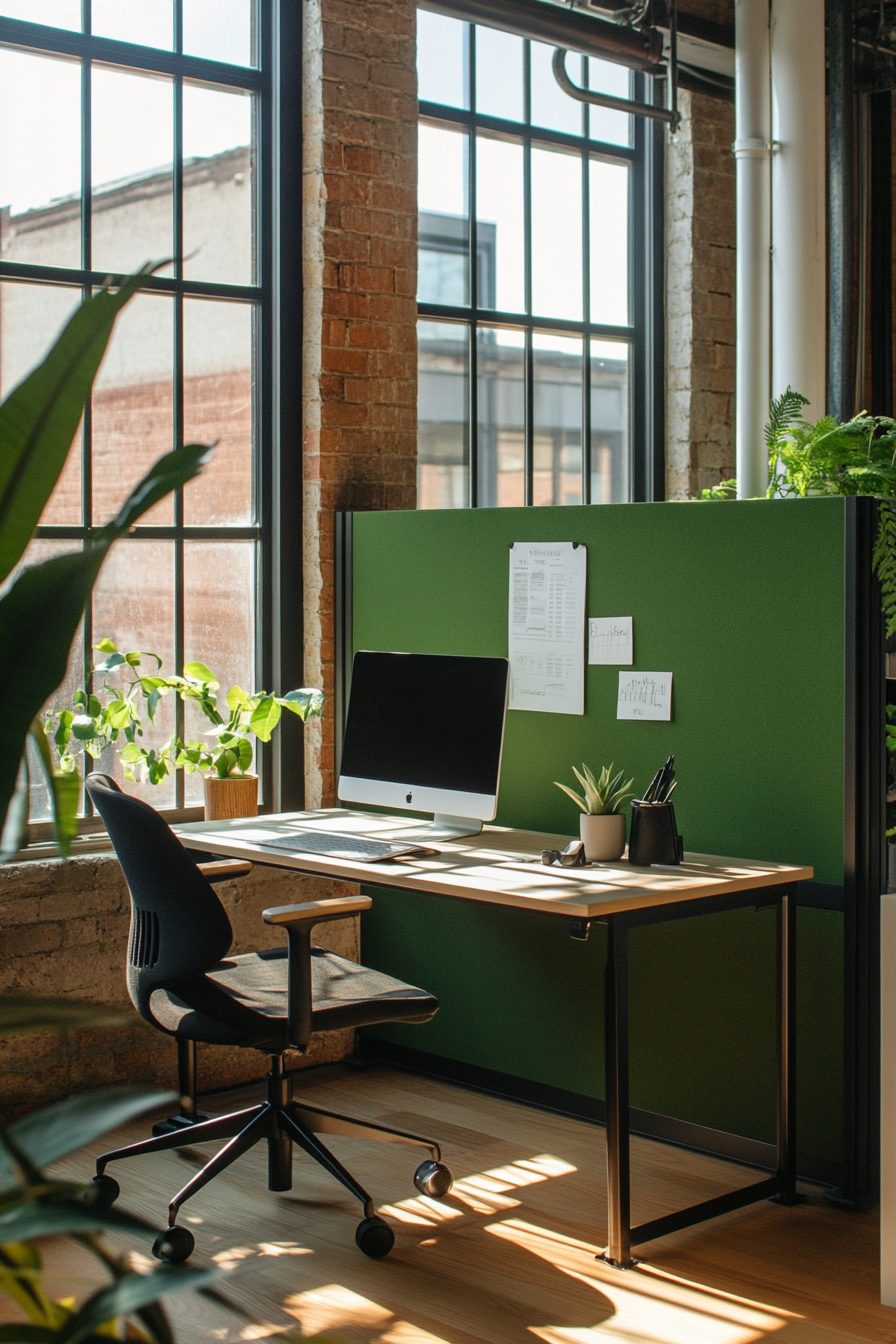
x=510 y=1255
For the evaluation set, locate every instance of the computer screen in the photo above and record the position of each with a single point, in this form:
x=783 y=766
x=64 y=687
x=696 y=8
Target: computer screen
x=424 y=732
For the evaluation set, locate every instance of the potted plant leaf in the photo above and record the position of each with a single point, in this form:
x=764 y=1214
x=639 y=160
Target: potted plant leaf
x=601 y=825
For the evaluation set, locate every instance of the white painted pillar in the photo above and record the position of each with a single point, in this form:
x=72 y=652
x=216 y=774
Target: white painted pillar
x=751 y=149
x=799 y=274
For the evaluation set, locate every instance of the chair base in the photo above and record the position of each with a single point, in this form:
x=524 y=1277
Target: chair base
x=280 y=1122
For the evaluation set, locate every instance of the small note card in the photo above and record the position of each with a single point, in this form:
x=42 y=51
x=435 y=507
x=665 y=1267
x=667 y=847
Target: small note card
x=644 y=695
x=610 y=640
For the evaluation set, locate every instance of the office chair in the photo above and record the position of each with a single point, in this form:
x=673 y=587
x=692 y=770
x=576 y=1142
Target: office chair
x=183 y=983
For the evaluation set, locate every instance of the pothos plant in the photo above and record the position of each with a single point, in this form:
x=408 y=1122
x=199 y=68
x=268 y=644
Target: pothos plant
x=112 y=715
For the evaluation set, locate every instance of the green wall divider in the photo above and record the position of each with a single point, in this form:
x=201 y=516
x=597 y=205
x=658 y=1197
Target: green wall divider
x=744 y=604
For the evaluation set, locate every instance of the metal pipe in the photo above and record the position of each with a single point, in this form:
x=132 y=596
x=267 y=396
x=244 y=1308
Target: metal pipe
x=752 y=152
x=798 y=200
x=558 y=65
x=840 y=209
x=639 y=49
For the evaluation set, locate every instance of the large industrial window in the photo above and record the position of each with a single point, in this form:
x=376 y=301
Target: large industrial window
x=128 y=132
x=536 y=268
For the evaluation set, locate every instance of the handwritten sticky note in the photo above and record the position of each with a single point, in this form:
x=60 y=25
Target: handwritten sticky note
x=610 y=640
x=644 y=695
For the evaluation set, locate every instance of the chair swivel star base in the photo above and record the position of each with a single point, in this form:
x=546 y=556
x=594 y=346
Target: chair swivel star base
x=280 y=1122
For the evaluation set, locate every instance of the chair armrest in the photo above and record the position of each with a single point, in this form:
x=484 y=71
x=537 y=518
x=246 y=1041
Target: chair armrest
x=316 y=911
x=298 y=921
x=222 y=870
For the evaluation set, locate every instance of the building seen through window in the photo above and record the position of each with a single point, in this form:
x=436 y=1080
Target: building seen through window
x=527 y=330
x=103 y=167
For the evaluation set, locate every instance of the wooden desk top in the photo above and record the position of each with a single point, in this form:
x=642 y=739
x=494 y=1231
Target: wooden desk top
x=500 y=866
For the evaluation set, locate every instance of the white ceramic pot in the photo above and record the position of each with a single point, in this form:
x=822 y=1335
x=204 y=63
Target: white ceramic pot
x=603 y=836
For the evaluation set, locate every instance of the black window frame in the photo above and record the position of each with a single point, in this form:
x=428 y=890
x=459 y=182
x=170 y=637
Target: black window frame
x=276 y=298
x=646 y=330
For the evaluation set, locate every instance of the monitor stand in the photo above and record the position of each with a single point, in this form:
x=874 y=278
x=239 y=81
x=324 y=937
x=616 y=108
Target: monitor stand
x=442 y=827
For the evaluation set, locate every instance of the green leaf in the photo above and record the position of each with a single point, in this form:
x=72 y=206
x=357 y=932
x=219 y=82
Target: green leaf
x=65 y=1217
x=83 y=728
x=27 y=1012
x=39 y=419
x=65 y=789
x=47 y=602
x=307 y=702
x=54 y=1132
x=237 y=699
x=264 y=718
x=244 y=754
x=14 y=832
x=106 y=646
x=128 y=1295
x=110 y=663
x=27 y=1334
x=199 y=672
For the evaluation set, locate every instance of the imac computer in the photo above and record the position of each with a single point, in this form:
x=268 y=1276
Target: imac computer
x=424 y=733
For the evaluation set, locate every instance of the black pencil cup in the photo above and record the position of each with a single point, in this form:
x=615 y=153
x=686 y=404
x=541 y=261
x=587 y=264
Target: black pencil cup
x=654 y=835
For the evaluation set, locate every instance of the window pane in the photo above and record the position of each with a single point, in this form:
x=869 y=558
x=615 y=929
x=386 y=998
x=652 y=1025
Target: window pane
x=441 y=59
x=219 y=185
x=557 y=422
x=40 y=173
x=219 y=629
x=552 y=107
x=609 y=186
x=500 y=237
x=31 y=317
x=133 y=135
x=220 y=30
x=133 y=605
x=149 y=23
x=218 y=409
x=556 y=234
x=610 y=435
x=613 y=127
x=501 y=439
x=56 y=13
x=133 y=411
x=499 y=74
x=443 y=265
x=443 y=440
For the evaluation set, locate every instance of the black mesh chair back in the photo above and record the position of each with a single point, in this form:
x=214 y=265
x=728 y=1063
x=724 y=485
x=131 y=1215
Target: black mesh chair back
x=179 y=928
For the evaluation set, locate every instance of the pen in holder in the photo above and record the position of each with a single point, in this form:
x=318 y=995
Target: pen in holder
x=654 y=835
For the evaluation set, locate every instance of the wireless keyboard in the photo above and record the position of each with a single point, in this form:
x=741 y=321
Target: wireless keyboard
x=342 y=846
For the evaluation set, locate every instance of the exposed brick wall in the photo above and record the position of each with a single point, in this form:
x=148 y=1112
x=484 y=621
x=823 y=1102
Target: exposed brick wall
x=700 y=297
x=359 y=376
x=64 y=931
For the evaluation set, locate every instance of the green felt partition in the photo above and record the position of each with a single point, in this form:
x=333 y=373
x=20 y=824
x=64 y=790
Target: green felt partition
x=744 y=604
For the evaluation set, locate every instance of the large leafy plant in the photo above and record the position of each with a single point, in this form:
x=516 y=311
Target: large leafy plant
x=42 y=606
x=34 y=1204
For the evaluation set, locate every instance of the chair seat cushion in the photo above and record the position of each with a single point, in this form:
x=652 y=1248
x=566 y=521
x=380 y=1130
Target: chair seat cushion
x=344 y=994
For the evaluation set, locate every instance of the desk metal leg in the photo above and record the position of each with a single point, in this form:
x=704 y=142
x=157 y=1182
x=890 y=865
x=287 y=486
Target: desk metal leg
x=786 y=920
x=618 y=1250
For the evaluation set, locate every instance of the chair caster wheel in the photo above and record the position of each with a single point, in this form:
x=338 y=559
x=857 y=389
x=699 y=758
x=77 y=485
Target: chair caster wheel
x=105 y=1190
x=175 y=1245
x=374 y=1237
x=433 y=1179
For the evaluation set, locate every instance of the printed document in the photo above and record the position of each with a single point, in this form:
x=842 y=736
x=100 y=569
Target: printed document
x=546 y=627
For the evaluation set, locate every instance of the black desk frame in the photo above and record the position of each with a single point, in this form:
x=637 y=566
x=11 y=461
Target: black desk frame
x=781 y=1187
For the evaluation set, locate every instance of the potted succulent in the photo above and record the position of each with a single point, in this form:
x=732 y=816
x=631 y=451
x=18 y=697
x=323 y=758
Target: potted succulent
x=601 y=825
x=112 y=716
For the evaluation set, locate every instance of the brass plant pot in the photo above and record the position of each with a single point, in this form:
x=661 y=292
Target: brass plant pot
x=236 y=796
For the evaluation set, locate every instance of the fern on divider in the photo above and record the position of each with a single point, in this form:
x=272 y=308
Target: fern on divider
x=883 y=561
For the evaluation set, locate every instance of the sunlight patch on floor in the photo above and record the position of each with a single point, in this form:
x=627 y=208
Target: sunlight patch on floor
x=482 y=1192
x=649 y=1306
x=334 y=1307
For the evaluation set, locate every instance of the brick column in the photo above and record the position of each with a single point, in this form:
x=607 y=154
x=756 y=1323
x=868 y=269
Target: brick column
x=360 y=260
x=700 y=305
